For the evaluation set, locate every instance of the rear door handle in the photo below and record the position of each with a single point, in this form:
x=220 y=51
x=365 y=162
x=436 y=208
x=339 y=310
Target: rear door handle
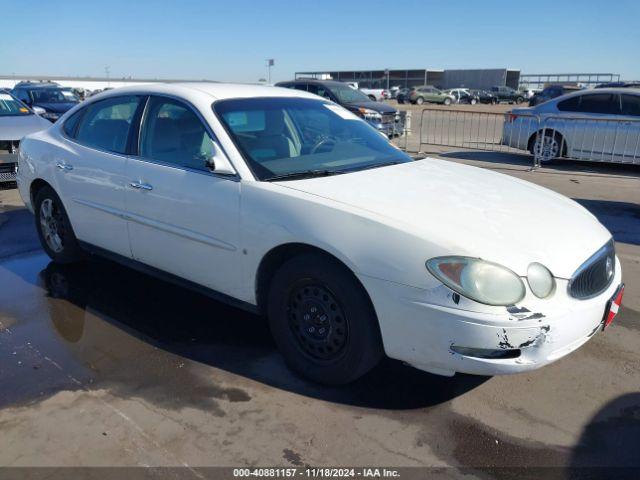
x=65 y=167
x=141 y=186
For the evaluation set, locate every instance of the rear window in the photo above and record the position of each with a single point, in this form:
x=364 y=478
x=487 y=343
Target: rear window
x=105 y=125
x=631 y=105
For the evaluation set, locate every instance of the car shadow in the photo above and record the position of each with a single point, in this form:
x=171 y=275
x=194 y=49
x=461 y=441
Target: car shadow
x=622 y=219
x=526 y=160
x=609 y=446
x=193 y=326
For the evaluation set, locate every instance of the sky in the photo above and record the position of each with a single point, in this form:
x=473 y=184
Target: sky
x=230 y=40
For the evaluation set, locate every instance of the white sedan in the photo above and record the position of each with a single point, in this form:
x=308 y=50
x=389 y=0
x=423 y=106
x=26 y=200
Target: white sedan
x=601 y=125
x=286 y=204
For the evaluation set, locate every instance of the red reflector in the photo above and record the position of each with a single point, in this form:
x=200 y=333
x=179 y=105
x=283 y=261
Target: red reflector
x=512 y=117
x=616 y=301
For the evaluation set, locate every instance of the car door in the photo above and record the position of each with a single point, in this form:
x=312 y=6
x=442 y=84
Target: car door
x=183 y=218
x=600 y=132
x=631 y=128
x=91 y=171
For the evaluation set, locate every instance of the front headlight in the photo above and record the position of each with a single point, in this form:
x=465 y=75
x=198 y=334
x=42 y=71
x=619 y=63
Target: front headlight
x=50 y=115
x=540 y=280
x=477 y=279
x=370 y=115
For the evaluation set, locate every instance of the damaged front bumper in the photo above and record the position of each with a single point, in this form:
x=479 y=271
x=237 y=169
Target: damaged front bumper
x=445 y=339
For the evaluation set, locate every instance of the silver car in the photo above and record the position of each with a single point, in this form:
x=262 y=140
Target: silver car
x=16 y=121
x=597 y=125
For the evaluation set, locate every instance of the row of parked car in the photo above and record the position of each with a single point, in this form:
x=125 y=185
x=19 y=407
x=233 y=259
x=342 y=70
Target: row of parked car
x=430 y=94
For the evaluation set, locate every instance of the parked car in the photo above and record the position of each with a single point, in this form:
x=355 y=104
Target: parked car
x=403 y=95
x=507 y=94
x=528 y=93
x=16 y=121
x=485 y=97
x=381 y=116
x=287 y=204
x=550 y=92
x=463 y=95
x=605 y=126
x=427 y=93
x=54 y=99
x=619 y=85
x=375 y=94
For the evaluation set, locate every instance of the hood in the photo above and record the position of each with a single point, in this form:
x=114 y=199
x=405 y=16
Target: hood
x=376 y=106
x=470 y=211
x=56 y=107
x=16 y=127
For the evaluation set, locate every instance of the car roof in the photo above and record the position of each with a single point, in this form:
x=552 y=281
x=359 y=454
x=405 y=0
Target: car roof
x=213 y=90
x=327 y=83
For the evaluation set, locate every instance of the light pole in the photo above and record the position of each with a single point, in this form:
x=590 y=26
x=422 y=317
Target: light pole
x=107 y=69
x=270 y=63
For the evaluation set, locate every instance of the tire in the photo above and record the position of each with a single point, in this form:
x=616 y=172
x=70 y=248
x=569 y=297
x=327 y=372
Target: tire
x=473 y=101
x=494 y=101
x=54 y=229
x=553 y=146
x=419 y=101
x=519 y=100
x=447 y=101
x=372 y=98
x=337 y=342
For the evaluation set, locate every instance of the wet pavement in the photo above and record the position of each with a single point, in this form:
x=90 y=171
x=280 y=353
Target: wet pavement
x=101 y=365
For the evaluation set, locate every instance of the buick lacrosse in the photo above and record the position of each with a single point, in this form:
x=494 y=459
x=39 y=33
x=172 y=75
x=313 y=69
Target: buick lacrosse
x=288 y=205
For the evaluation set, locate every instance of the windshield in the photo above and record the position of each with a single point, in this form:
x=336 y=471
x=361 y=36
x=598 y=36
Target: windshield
x=346 y=94
x=9 y=106
x=53 y=95
x=285 y=136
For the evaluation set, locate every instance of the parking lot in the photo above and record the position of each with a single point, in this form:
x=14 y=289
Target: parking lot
x=104 y=366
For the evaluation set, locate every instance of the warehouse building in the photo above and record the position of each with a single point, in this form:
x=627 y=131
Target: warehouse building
x=469 y=78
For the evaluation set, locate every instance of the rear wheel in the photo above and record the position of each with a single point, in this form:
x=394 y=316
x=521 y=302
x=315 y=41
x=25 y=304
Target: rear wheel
x=372 y=98
x=54 y=229
x=447 y=101
x=494 y=101
x=322 y=320
x=473 y=101
x=519 y=100
x=547 y=147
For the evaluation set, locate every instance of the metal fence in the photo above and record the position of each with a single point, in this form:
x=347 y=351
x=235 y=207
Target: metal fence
x=615 y=140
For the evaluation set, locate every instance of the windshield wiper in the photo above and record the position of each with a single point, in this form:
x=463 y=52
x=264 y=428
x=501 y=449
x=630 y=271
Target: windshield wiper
x=304 y=174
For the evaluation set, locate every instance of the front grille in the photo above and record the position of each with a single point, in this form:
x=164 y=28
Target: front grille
x=9 y=146
x=595 y=275
x=8 y=167
x=388 y=118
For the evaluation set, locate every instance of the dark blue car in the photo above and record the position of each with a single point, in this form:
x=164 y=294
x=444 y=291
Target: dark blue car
x=53 y=98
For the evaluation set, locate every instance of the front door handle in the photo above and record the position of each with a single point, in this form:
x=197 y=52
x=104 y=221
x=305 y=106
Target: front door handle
x=65 y=167
x=141 y=186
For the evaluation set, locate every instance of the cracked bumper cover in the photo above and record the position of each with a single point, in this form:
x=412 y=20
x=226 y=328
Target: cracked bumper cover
x=422 y=334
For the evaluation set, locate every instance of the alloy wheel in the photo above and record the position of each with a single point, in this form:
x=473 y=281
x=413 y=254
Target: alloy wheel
x=52 y=225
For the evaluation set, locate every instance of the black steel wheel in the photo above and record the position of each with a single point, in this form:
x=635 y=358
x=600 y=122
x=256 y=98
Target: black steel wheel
x=322 y=320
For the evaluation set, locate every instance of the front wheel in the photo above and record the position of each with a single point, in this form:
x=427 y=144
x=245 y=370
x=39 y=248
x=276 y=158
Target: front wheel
x=419 y=101
x=54 y=229
x=372 y=98
x=322 y=320
x=494 y=101
x=519 y=100
x=473 y=101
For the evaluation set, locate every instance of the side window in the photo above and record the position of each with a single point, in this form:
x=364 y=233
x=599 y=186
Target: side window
x=300 y=86
x=172 y=133
x=606 y=103
x=105 y=125
x=570 y=104
x=631 y=105
x=23 y=96
x=70 y=127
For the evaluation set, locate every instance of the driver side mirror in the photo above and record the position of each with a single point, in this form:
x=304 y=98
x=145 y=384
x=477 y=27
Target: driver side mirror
x=38 y=110
x=218 y=162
